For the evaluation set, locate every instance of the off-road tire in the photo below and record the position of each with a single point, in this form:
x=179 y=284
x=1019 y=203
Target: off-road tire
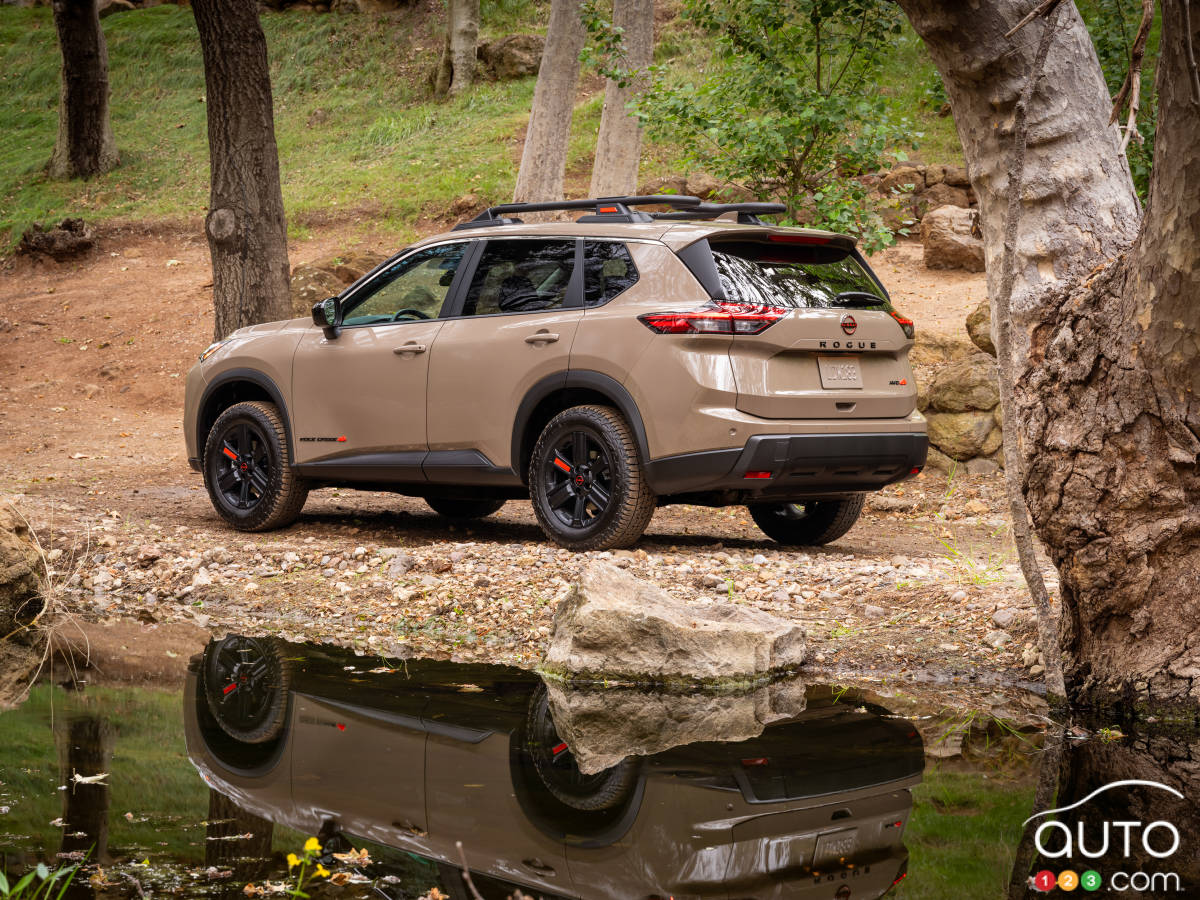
x=631 y=502
x=807 y=524
x=463 y=510
x=252 y=710
x=284 y=492
x=559 y=773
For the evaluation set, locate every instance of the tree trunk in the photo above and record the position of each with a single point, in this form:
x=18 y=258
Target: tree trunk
x=85 y=145
x=86 y=750
x=544 y=160
x=456 y=71
x=1105 y=343
x=247 y=234
x=248 y=858
x=619 y=143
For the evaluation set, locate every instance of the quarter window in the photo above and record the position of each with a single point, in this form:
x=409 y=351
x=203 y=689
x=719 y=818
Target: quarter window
x=608 y=269
x=413 y=288
x=520 y=276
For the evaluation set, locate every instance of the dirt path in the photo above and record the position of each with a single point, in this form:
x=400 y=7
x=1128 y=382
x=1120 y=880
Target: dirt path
x=91 y=386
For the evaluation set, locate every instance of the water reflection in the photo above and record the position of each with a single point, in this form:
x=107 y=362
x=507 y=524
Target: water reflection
x=414 y=759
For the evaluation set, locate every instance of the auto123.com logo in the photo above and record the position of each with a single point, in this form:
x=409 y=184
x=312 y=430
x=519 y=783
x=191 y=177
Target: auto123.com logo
x=1094 y=838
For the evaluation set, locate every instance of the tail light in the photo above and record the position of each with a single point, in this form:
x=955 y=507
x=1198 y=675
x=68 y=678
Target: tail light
x=716 y=318
x=906 y=325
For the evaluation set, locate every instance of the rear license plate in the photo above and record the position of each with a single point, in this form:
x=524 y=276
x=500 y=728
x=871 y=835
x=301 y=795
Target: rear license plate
x=839 y=372
x=833 y=848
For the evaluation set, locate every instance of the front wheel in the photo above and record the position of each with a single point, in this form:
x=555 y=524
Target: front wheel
x=453 y=508
x=247 y=469
x=807 y=524
x=586 y=483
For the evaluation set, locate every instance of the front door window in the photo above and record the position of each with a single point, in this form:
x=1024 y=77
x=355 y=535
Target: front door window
x=413 y=288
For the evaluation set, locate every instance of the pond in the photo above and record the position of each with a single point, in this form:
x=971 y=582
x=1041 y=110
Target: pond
x=407 y=772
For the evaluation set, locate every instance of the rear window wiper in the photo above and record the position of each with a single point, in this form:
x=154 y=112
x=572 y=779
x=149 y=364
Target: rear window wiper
x=858 y=299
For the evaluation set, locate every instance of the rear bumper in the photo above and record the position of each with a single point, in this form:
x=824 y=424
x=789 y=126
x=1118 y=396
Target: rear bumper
x=799 y=465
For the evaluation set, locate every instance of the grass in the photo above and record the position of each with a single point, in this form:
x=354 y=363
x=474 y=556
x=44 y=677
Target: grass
x=359 y=137
x=963 y=834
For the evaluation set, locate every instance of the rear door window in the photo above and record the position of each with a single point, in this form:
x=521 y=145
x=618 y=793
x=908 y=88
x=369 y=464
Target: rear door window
x=521 y=276
x=795 y=277
x=608 y=270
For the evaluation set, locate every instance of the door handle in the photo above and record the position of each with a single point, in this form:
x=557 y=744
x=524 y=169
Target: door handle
x=411 y=347
x=542 y=337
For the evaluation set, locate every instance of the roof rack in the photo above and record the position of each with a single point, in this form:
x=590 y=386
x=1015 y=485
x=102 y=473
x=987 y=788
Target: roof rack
x=604 y=209
x=747 y=213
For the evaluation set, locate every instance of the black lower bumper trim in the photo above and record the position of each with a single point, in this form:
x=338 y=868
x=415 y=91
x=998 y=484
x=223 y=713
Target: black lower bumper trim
x=798 y=464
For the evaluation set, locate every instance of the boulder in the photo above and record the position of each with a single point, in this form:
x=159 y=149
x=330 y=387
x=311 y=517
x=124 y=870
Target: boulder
x=69 y=239
x=20 y=564
x=952 y=240
x=109 y=7
x=901 y=178
x=667 y=184
x=965 y=385
x=313 y=282
x=955 y=176
x=604 y=726
x=979 y=327
x=934 y=348
x=936 y=459
x=941 y=194
x=963 y=435
x=611 y=625
x=513 y=56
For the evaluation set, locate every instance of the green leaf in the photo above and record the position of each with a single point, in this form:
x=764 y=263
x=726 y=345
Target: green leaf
x=42 y=872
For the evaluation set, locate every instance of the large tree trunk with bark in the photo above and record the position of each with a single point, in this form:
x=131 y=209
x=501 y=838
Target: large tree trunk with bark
x=619 y=143
x=85 y=145
x=544 y=159
x=247 y=232
x=456 y=69
x=1105 y=356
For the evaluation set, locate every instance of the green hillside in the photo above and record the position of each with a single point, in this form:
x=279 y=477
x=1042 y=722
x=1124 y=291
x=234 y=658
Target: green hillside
x=359 y=136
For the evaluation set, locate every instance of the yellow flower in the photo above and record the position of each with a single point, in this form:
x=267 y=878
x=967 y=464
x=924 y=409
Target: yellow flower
x=293 y=861
x=321 y=872
x=312 y=845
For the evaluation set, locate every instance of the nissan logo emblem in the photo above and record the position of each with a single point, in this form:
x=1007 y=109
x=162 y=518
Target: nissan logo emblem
x=848 y=324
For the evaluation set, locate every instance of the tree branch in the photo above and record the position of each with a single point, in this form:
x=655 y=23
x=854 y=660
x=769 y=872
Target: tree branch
x=1002 y=317
x=1131 y=87
x=1042 y=9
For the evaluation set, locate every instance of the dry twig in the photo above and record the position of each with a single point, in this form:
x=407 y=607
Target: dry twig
x=466 y=871
x=1131 y=88
x=1042 y=9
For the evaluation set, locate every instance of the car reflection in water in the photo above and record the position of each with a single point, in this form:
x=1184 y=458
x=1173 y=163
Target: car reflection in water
x=417 y=757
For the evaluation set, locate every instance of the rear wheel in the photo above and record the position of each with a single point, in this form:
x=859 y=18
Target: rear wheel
x=586 y=483
x=808 y=523
x=453 y=508
x=247 y=469
x=246 y=683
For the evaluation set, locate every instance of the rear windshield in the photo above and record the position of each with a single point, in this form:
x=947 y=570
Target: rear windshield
x=795 y=277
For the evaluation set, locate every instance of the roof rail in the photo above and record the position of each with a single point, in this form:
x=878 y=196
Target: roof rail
x=747 y=213
x=604 y=209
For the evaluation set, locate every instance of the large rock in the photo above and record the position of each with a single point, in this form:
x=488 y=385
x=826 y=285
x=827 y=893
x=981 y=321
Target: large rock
x=312 y=282
x=941 y=194
x=20 y=565
x=513 y=56
x=610 y=624
x=69 y=239
x=933 y=348
x=964 y=435
x=604 y=726
x=952 y=240
x=903 y=178
x=966 y=385
x=979 y=327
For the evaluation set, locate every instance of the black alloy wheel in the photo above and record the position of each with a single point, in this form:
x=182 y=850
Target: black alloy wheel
x=578 y=479
x=244 y=466
x=586 y=482
x=558 y=771
x=246 y=683
x=807 y=523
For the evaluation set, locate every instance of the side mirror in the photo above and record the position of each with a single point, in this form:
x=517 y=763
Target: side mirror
x=327 y=314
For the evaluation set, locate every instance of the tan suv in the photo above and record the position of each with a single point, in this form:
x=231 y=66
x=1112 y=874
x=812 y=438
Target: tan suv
x=601 y=367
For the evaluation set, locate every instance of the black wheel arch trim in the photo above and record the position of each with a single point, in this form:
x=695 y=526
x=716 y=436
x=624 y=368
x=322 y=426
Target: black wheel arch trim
x=255 y=377
x=584 y=379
